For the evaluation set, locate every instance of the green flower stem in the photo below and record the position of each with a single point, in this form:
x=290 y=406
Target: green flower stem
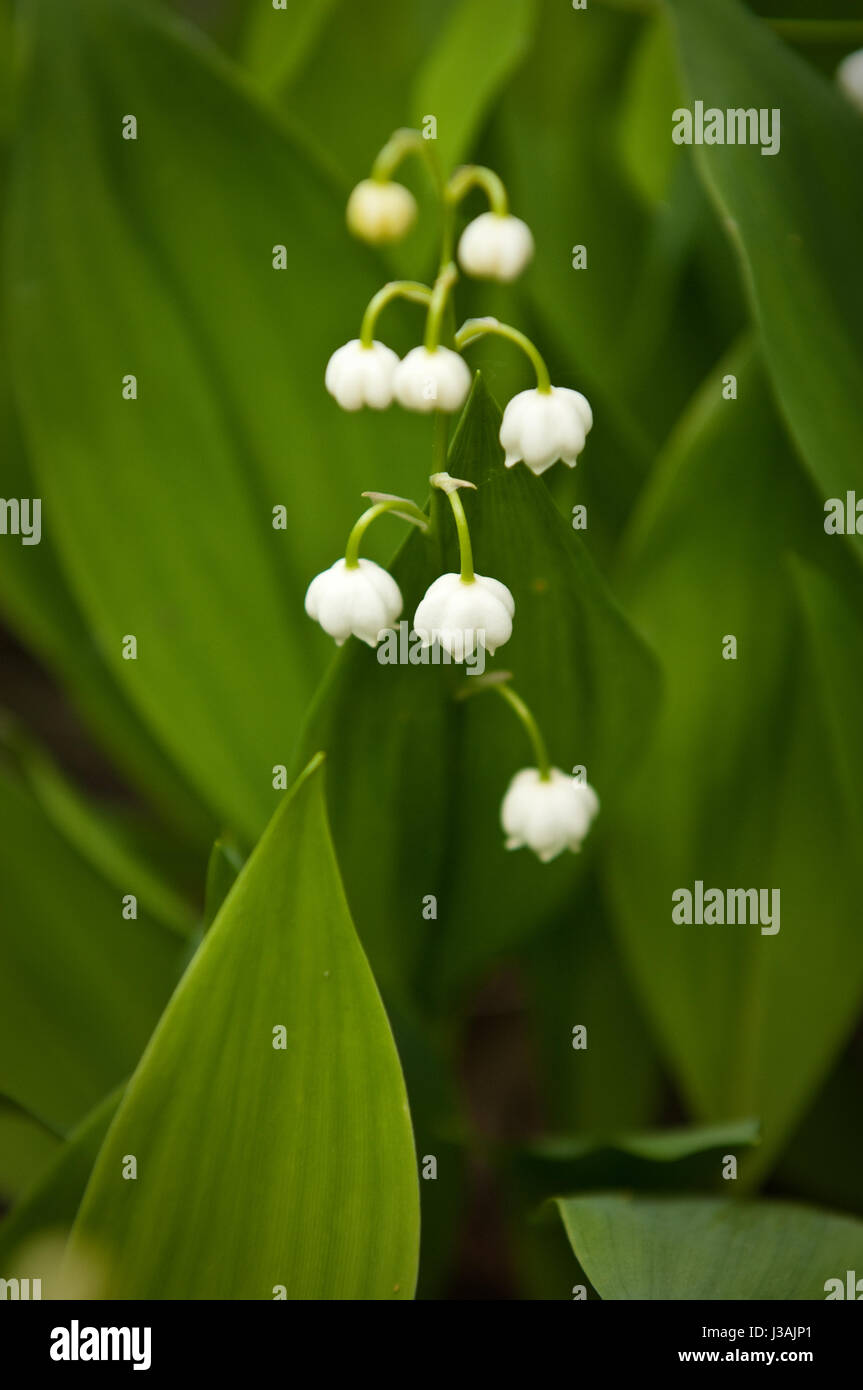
x=477 y=176
x=474 y=329
x=396 y=289
x=451 y=487
x=517 y=704
x=447 y=237
x=465 y=549
x=438 y=304
x=401 y=505
x=401 y=144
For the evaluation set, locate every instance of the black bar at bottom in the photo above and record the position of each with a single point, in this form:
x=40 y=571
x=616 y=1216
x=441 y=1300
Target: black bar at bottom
x=83 y=1338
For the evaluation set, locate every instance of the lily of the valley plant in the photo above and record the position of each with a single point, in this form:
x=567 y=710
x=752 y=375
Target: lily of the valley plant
x=544 y=808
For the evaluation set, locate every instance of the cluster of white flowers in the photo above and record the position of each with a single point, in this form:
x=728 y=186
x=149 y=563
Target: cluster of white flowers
x=463 y=612
x=356 y=597
x=539 y=426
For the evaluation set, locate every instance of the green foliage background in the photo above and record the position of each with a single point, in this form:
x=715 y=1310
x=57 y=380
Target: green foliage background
x=297 y=1168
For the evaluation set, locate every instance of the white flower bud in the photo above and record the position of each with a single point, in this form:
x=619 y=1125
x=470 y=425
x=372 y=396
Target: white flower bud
x=379 y=212
x=495 y=246
x=462 y=616
x=543 y=426
x=357 y=375
x=849 y=75
x=362 y=601
x=547 y=816
x=431 y=380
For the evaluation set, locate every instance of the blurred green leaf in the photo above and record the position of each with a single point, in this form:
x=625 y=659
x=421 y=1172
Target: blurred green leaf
x=276 y=42
x=744 y=784
x=225 y=863
x=417 y=778
x=244 y=1184
x=640 y=299
x=562 y=134
x=50 y=1203
x=37 y=606
x=26 y=1146
x=479 y=45
x=795 y=218
x=80 y=986
x=823 y=1158
x=835 y=645
x=369 y=57
x=162 y=507
x=577 y=977
x=697 y=1248
x=683 y=1157
x=93 y=834
x=7 y=55
x=648 y=154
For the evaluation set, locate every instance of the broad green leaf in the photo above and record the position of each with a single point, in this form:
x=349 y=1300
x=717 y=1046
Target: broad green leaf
x=49 y=1204
x=673 y=1160
x=744 y=785
x=260 y=1165
x=795 y=219
x=417 y=777
x=81 y=987
x=697 y=1248
x=477 y=48
x=155 y=257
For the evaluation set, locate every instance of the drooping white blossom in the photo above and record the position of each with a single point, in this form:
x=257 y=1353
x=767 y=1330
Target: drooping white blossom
x=548 y=816
x=380 y=211
x=495 y=246
x=432 y=379
x=357 y=375
x=463 y=615
x=540 y=427
x=849 y=75
x=361 y=600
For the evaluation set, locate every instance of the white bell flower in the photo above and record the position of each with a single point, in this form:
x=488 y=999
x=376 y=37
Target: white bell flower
x=360 y=375
x=849 y=75
x=380 y=211
x=543 y=426
x=462 y=614
x=361 y=599
x=432 y=379
x=495 y=246
x=547 y=815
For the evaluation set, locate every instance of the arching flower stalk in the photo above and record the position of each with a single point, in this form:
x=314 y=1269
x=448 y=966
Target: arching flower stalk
x=357 y=597
x=544 y=809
